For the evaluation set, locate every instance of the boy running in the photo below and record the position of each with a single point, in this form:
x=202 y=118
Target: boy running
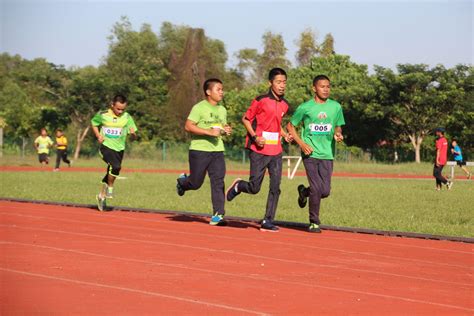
x=456 y=151
x=61 y=149
x=263 y=124
x=115 y=124
x=42 y=144
x=322 y=119
x=441 y=159
x=207 y=122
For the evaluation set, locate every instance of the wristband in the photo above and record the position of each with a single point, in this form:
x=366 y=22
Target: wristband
x=254 y=138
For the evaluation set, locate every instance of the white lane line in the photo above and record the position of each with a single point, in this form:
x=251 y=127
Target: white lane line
x=292 y=245
x=253 y=277
x=288 y=233
x=311 y=264
x=120 y=288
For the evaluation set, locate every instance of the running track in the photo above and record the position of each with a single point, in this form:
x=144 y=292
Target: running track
x=71 y=260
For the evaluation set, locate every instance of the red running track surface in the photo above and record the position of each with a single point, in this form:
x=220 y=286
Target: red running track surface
x=70 y=260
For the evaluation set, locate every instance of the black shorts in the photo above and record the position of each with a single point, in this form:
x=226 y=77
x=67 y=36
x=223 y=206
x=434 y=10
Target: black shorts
x=460 y=163
x=43 y=158
x=112 y=158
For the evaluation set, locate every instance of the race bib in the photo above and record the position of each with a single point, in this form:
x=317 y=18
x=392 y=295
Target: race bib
x=112 y=132
x=320 y=128
x=271 y=138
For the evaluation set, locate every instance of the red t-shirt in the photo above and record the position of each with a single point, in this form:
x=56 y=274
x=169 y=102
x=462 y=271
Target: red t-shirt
x=442 y=146
x=265 y=113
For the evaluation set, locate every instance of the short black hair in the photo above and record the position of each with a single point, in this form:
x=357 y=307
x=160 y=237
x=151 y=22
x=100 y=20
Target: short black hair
x=440 y=129
x=320 y=77
x=275 y=72
x=209 y=83
x=119 y=98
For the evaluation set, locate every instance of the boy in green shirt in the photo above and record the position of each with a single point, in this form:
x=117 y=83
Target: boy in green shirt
x=207 y=122
x=322 y=119
x=115 y=125
x=42 y=144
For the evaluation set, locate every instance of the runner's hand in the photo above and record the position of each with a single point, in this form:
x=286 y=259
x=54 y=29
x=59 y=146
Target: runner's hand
x=338 y=137
x=289 y=138
x=307 y=149
x=227 y=130
x=100 y=139
x=260 y=141
x=215 y=132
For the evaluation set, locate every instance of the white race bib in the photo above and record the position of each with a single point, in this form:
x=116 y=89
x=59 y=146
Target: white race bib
x=320 y=128
x=112 y=132
x=271 y=138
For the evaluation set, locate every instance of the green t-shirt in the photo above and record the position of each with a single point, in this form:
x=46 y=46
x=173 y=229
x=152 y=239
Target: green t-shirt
x=206 y=115
x=319 y=121
x=114 y=128
x=43 y=144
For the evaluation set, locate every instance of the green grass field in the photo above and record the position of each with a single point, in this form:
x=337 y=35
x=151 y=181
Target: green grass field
x=386 y=204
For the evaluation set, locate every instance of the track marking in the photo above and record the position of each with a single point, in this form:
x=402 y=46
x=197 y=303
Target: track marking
x=120 y=288
x=392 y=258
x=236 y=253
x=73 y=209
x=252 y=277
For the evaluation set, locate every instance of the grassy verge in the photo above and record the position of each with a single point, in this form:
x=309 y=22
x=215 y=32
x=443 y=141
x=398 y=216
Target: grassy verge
x=403 y=205
x=136 y=163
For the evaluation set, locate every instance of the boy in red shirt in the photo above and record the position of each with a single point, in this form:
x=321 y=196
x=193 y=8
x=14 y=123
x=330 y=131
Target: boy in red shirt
x=441 y=159
x=263 y=124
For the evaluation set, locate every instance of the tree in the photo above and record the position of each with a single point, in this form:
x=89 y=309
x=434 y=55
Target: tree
x=327 y=47
x=88 y=92
x=136 y=69
x=418 y=99
x=308 y=47
x=274 y=54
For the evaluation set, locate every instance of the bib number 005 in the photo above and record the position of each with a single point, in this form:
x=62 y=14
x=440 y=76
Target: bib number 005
x=320 y=128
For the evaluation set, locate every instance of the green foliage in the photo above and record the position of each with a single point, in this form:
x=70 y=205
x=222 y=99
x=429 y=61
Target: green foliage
x=308 y=47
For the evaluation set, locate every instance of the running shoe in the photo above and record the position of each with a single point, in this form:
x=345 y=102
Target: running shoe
x=232 y=190
x=302 y=196
x=109 y=192
x=314 y=228
x=269 y=227
x=449 y=185
x=217 y=220
x=101 y=204
x=469 y=175
x=179 y=188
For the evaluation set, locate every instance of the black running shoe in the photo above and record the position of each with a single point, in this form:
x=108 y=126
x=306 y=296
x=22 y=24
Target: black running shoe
x=269 y=227
x=314 y=228
x=179 y=188
x=231 y=191
x=302 y=197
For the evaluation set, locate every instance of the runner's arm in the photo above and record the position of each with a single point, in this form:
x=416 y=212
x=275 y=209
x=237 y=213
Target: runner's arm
x=338 y=134
x=259 y=141
x=96 y=131
x=191 y=127
x=304 y=147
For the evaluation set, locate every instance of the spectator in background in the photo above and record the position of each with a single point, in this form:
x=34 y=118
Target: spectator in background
x=441 y=159
x=456 y=151
x=42 y=144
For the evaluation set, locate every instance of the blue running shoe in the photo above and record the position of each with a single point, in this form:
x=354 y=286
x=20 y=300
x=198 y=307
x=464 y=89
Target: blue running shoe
x=232 y=192
x=218 y=220
x=179 y=188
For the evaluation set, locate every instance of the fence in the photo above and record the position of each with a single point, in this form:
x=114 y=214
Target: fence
x=171 y=151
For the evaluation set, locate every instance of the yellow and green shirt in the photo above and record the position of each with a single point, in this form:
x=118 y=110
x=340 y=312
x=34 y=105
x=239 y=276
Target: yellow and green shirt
x=207 y=116
x=43 y=144
x=114 y=128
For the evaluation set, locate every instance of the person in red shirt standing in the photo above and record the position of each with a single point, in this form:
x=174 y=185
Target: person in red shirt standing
x=263 y=124
x=441 y=159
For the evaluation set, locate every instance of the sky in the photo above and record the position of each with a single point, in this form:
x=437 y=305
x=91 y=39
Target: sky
x=385 y=33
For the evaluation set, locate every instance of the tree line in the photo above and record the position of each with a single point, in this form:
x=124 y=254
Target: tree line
x=162 y=76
